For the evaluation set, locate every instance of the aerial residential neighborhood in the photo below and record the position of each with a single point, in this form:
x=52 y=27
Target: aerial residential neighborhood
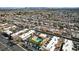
x=39 y=29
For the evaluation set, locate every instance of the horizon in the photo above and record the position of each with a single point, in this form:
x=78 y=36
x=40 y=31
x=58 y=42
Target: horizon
x=44 y=7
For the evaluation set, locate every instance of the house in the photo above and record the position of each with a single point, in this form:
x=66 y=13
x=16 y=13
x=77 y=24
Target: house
x=26 y=35
x=68 y=45
x=19 y=32
x=51 y=45
x=75 y=35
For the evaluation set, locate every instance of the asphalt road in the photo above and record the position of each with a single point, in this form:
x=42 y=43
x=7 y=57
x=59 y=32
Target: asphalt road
x=4 y=41
x=3 y=47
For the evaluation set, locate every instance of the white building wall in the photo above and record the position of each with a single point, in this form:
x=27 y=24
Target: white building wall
x=51 y=45
x=68 y=45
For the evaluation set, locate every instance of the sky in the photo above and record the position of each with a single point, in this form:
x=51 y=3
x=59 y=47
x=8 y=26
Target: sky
x=39 y=3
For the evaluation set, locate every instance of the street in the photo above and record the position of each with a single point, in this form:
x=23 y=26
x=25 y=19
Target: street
x=4 y=42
